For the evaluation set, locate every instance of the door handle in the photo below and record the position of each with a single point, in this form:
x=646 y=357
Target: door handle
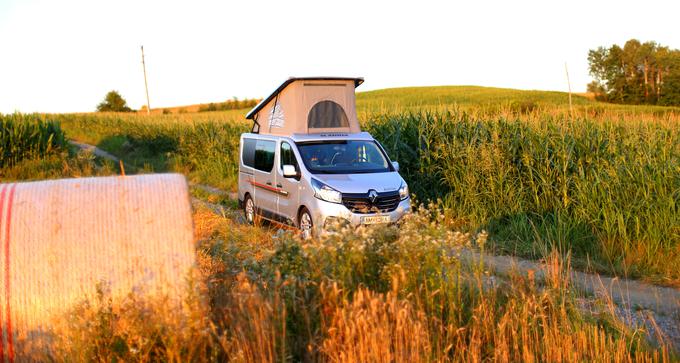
x=269 y=183
x=279 y=185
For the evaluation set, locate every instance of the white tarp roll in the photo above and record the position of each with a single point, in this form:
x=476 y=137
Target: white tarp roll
x=60 y=239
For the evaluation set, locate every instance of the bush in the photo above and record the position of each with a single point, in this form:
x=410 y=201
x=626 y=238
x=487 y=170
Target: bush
x=234 y=104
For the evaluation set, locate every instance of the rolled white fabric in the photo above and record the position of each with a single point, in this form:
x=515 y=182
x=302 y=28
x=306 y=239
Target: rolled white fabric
x=60 y=239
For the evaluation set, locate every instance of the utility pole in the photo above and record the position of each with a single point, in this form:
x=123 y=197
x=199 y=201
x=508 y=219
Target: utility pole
x=571 y=107
x=146 y=85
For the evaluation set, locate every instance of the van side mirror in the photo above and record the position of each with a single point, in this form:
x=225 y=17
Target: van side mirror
x=395 y=164
x=289 y=171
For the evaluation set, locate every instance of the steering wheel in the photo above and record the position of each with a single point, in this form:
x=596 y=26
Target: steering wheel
x=333 y=158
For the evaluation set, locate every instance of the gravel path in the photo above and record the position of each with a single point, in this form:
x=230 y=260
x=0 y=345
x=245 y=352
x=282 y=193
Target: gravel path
x=635 y=303
x=95 y=150
x=216 y=191
x=636 y=294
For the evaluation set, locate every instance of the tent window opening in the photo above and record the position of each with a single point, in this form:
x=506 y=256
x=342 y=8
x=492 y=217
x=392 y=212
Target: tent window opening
x=327 y=114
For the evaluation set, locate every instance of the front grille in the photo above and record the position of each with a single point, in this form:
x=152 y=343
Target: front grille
x=361 y=203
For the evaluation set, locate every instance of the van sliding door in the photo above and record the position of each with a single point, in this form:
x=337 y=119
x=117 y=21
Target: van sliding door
x=266 y=193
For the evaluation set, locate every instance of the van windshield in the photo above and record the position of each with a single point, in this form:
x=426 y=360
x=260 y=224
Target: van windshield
x=343 y=157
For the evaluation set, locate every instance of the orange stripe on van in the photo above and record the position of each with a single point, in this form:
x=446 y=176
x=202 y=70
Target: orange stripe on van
x=268 y=187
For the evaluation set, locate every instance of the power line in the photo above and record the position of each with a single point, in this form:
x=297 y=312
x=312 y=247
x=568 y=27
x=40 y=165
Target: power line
x=146 y=85
x=571 y=107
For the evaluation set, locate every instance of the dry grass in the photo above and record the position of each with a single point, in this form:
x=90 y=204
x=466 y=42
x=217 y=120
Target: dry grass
x=397 y=296
x=374 y=295
x=372 y=327
x=134 y=331
x=253 y=324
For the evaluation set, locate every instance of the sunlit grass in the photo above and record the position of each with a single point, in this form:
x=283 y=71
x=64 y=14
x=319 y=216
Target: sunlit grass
x=379 y=294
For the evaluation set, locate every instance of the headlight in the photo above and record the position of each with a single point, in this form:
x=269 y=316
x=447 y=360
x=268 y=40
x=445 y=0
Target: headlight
x=403 y=191
x=324 y=192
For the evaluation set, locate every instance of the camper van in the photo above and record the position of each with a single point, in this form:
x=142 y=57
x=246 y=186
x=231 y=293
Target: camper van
x=306 y=163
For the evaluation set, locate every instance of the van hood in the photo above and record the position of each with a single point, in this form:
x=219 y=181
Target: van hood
x=361 y=183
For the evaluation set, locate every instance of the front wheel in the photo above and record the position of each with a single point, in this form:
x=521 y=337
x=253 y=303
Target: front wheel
x=306 y=223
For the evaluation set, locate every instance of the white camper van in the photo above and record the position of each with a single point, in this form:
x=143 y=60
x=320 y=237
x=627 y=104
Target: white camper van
x=306 y=162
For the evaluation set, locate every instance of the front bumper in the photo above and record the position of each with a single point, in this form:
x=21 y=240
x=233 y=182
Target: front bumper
x=324 y=212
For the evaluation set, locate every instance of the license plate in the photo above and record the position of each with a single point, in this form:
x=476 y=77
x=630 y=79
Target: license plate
x=375 y=219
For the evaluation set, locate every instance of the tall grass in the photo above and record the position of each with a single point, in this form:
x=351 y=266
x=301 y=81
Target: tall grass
x=23 y=137
x=607 y=190
x=35 y=147
x=202 y=146
x=385 y=294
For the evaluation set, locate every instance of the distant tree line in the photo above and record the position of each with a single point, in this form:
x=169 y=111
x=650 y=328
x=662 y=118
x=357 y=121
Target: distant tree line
x=637 y=73
x=233 y=104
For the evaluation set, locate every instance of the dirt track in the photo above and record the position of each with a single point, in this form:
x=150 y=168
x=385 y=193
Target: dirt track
x=635 y=294
x=94 y=150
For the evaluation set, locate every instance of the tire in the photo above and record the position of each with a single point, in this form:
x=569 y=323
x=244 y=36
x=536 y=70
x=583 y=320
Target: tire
x=249 y=209
x=306 y=223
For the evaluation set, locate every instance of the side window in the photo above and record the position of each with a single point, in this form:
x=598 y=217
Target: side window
x=249 y=152
x=288 y=156
x=264 y=155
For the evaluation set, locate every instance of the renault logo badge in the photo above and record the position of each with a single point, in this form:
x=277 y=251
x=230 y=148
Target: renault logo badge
x=372 y=195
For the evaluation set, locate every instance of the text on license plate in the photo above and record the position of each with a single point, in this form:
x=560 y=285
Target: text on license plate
x=375 y=219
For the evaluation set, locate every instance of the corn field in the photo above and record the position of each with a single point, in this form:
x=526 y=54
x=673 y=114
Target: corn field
x=24 y=137
x=203 y=146
x=603 y=184
x=607 y=191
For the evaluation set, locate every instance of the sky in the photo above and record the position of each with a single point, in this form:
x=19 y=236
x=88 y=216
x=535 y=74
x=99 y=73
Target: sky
x=65 y=55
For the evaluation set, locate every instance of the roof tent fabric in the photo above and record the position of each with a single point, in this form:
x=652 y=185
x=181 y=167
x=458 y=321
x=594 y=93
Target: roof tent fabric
x=61 y=239
x=309 y=105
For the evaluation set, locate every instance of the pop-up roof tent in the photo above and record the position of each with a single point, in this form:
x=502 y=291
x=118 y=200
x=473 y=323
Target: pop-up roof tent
x=308 y=105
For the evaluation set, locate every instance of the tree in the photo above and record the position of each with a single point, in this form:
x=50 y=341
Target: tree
x=637 y=73
x=598 y=90
x=113 y=102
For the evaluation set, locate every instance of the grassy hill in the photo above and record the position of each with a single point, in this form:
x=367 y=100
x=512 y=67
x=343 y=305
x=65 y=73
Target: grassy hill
x=492 y=99
x=435 y=97
x=442 y=98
